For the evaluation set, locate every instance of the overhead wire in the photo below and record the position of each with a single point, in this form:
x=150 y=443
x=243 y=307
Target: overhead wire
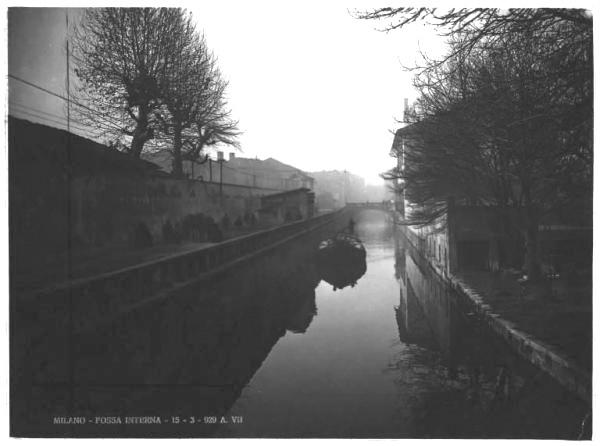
x=57 y=95
x=85 y=128
x=53 y=117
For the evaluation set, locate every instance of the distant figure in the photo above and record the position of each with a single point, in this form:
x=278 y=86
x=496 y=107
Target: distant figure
x=351 y=226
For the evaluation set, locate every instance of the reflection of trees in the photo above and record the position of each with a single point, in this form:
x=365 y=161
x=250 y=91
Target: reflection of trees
x=485 y=391
x=190 y=354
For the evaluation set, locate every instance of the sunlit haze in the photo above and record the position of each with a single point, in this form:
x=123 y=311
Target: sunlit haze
x=311 y=85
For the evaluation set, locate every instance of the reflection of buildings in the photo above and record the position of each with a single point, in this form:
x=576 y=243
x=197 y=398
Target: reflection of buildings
x=427 y=316
x=413 y=327
x=398 y=152
x=412 y=324
x=400 y=256
x=431 y=298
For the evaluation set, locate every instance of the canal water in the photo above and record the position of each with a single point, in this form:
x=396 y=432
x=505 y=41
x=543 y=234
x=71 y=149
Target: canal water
x=394 y=357
x=271 y=350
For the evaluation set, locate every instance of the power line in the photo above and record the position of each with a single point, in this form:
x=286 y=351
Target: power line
x=88 y=127
x=69 y=101
x=29 y=108
x=31 y=84
x=50 y=120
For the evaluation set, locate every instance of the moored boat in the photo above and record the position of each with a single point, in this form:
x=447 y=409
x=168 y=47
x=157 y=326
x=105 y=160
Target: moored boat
x=342 y=260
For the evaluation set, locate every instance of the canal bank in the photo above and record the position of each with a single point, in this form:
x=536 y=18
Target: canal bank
x=192 y=344
x=397 y=357
x=275 y=348
x=542 y=355
x=108 y=293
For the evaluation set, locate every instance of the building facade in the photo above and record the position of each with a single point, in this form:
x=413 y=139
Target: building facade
x=269 y=174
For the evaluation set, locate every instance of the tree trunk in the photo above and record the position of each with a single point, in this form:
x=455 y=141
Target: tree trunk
x=177 y=169
x=141 y=133
x=532 y=256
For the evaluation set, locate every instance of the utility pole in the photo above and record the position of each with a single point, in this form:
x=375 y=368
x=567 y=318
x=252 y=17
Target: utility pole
x=220 y=160
x=70 y=321
x=221 y=177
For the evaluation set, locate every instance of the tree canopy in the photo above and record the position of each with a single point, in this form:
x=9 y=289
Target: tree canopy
x=147 y=76
x=504 y=118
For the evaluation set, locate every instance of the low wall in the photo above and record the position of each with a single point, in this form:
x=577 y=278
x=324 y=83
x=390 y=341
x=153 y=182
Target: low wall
x=68 y=193
x=107 y=209
x=433 y=246
x=91 y=300
x=162 y=322
x=45 y=326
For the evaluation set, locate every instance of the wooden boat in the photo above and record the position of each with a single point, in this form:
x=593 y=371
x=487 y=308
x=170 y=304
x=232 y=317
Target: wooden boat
x=341 y=260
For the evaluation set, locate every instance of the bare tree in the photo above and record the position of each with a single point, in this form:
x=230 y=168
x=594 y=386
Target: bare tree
x=503 y=124
x=504 y=117
x=184 y=88
x=121 y=56
x=193 y=94
x=478 y=25
x=214 y=125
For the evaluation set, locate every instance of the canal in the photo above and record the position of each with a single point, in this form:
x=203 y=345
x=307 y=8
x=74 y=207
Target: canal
x=394 y=357
x=271 y=350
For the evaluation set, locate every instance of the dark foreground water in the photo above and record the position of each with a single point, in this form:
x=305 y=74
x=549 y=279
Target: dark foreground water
x=270 y=350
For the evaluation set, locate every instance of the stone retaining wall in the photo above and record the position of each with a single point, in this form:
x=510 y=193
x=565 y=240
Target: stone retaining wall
x=541 y=355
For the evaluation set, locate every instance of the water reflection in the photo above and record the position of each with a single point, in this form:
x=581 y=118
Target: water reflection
x=341 y=261
x=303 y=317
x=185 y=356
x=485 y=390
x=393 y=357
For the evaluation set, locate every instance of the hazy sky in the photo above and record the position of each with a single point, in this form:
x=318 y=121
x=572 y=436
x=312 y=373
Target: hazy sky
x=310 y=84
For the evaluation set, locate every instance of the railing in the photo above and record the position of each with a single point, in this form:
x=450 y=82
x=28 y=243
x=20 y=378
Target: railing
x=105 y=294
x=381 y=205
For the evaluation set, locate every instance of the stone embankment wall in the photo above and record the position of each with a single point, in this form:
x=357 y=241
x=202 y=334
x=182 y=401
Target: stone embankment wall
x=564 y=371
x=69 y=193
x=434 y=246
x=109 y=209
x=467 y=237
x=159 y=311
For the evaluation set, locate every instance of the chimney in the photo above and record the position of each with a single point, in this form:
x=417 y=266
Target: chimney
x=405 y=114
x=231 y=156
x=220 y=156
